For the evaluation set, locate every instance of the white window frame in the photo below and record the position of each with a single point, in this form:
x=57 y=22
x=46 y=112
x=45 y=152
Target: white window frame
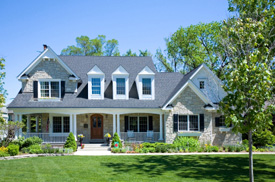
x=62 y=124
x=120 y=96
x=96 y=96
x=138 y=122
x=49 y=98
x=188 y=122
x=145 y=96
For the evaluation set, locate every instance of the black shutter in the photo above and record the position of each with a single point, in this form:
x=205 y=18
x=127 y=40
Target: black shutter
x=126 y=123
x=150 y=123
x=202 y=122
x=62 y=88
x=35 y=89
x=176 y=120
x=217 y=121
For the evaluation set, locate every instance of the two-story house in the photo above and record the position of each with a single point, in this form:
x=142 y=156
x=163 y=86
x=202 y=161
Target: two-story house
x=95 y=95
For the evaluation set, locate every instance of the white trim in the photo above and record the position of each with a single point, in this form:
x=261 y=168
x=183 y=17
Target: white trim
x=120 y=96
x=102 y=86
x=138 y=116
x=40 y=57
x=188 y=122
x=62 y=133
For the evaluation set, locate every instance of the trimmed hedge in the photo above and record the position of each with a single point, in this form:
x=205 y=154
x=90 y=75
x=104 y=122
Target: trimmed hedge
x=70 y=142
x=13 y=149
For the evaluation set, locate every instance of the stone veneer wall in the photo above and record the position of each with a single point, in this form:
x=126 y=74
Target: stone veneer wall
x=189 y=103
x=51 y=70
x=44 y=119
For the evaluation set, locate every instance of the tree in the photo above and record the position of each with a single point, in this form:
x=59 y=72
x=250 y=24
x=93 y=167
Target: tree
x=144 y=53
x=191 y=46
x=10 y=129
x=2 y=90
x=93 y=47
x=130 y=53
x=248 y=78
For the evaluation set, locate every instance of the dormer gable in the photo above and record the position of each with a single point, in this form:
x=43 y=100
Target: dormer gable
x=120 y=79
x=145 y=82
x=96 y=83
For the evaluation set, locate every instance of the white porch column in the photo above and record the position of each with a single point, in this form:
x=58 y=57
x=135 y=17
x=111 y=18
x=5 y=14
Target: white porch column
x=16 y=119
x=71 y=123
x=160 y=127
x=114 y=124
x=20 y=120
x=37 y=124
x=118 y=124
x=28 y=123
x=75 y=129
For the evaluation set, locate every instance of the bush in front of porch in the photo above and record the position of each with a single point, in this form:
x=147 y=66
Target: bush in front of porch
x=70 y=142
x=116 y=139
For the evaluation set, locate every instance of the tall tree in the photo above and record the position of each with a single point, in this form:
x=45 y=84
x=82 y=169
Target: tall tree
x=2 y=90
x=144 y=53
x=249 y=45
x=130 y=53
x=93 y=47
x=189 y=47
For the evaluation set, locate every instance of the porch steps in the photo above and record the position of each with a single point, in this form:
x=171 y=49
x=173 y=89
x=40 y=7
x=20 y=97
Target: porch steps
x=95 y=147
x=97 y=140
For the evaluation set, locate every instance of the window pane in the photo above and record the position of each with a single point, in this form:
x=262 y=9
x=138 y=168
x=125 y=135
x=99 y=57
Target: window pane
x=57 y=124
x=44 y=89
x=94 y=122
x=182 y=122
x=99 y=122
x=66 y=124
x=143 y=124
x=201 y=84
x=146 y=86
x=55 y=89
x=133 y=124
x=120 y=86
x=194 y=123
x=96 y=86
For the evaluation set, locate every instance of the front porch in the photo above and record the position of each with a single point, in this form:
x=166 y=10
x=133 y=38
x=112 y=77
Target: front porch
x=55 y=127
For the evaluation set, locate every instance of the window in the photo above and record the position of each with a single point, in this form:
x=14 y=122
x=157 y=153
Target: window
x=61 y=124
x=96 y=86
x=146 y=86
x=120 y=86
x=188 y=123
x=143 y=123
x=49 y=89
x=201 y=84
x=220 y=122
x=133 y=124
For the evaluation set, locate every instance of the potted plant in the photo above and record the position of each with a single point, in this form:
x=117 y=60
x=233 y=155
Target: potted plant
x=82 y=146
x=81 y=136
x=107 y=136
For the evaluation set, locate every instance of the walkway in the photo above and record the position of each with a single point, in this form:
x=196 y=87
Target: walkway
x=94 y=149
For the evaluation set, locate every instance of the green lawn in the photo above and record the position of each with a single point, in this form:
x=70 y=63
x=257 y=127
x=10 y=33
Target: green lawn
x=138 y=168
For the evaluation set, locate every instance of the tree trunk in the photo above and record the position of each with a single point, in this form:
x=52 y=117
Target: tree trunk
x=251 y=175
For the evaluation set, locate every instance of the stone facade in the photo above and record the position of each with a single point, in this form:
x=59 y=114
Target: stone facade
x=48 y=70
x=189 y=103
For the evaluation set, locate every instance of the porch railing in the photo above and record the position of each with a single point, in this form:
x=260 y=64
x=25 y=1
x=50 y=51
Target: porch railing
x=139 y=137
x=48 y=137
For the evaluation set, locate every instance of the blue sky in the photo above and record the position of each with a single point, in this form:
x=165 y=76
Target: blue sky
x=26 y=25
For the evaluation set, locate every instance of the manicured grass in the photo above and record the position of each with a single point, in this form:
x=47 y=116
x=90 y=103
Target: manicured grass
x=138 y=168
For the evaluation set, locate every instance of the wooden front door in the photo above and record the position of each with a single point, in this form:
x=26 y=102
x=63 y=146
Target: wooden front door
x=96 y=126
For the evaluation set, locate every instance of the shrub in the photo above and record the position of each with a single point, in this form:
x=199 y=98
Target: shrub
x=4 y=154
x=231 y=148
x=67 y=150
x=245 y=143
x=263 y=138
x=215 y=148
x=19 y=142
x=115 y=150
x=200 y=149
x=152 y=150
x=70 y=142
x=116 y=139
x=31 y=141
x=149 y=145
x=13 y=149
x=161 y=148
x=35 y=149
x=3 y=149
x=123 y=150
x=253 y=149
x=187 y=142
x=145 y=150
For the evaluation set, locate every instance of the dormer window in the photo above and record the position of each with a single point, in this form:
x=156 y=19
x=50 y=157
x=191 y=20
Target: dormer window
x=120 y=86
x=96 y=83
x=146 y=84
x=120 y=78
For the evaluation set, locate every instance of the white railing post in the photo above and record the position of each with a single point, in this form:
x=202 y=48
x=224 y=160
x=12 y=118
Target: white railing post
x=71 y=123
x=16 y=119
x=160 y=127
x=75 y=125
x=114 y=124
x=118 y=124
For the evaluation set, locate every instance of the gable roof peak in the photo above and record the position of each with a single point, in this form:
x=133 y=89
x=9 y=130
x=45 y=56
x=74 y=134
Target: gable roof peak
x=95 y=71
x=146 y=71
x=120 y=71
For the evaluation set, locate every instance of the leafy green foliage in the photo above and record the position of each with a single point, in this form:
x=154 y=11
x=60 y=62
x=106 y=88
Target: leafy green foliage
x=186 y=142
x=130 y=53
x=19 y=141
x=35 y=149
x=31 y=141
x=13 y=149
x=263 y=138
x=116 y=139
x=9 y=129
x=4 y=154
x=70 y=142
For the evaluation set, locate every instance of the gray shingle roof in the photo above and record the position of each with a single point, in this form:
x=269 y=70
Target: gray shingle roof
x=166 y=84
